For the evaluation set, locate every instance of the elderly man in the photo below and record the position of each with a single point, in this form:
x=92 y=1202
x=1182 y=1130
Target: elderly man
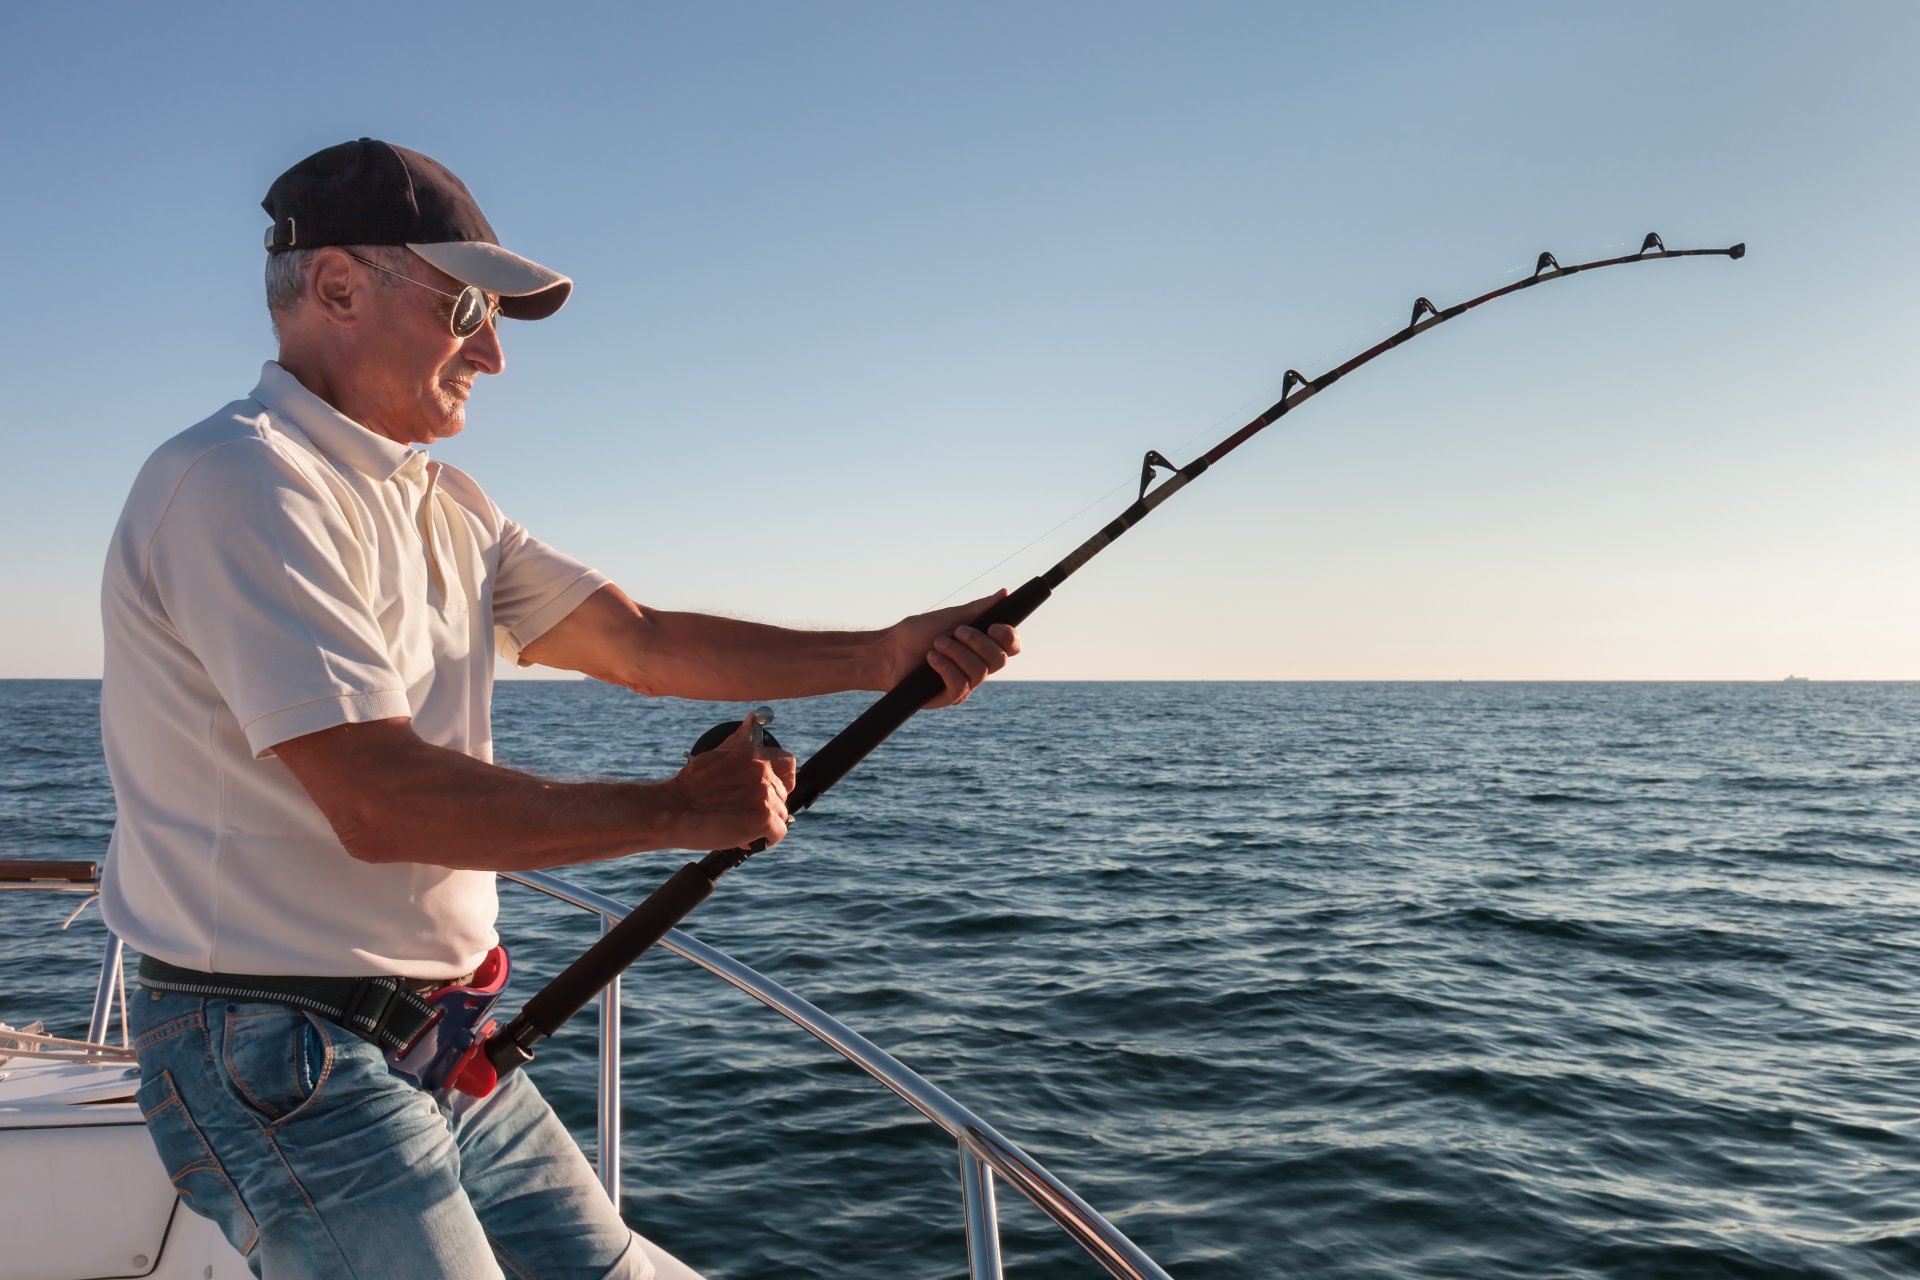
x=301 y=615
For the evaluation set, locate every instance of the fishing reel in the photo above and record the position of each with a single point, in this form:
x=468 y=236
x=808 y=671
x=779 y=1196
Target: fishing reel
x=762 y=717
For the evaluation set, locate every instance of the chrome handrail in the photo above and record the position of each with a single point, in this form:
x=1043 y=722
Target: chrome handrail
x=984 y=1151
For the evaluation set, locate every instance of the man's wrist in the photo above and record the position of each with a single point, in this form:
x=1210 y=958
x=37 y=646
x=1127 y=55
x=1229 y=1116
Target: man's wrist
x=657 y=813
x=876 y=662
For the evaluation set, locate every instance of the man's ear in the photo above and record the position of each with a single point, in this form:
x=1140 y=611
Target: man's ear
x=332 y=288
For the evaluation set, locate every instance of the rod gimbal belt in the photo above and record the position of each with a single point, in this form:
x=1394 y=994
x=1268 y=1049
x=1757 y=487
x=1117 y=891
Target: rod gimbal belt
x=383 y=1010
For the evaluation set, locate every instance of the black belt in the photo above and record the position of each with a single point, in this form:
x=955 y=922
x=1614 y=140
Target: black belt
x=384 y=1010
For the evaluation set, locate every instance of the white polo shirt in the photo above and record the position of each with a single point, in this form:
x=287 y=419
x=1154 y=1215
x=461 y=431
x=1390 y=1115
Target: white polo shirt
x=280 y=569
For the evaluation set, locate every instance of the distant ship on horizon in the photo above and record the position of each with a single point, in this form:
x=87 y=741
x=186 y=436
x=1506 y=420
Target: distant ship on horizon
x=1795 y=680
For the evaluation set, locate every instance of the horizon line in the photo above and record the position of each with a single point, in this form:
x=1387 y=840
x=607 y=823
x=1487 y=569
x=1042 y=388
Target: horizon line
x=572 y=678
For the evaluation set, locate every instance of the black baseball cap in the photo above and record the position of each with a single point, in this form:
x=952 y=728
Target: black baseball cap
x=372 y=192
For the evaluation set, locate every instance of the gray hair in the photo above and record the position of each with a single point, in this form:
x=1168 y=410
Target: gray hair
x=287 y=274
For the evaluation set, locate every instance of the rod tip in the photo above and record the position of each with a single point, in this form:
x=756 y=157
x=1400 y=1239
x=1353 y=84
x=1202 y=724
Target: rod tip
x=1738 y=251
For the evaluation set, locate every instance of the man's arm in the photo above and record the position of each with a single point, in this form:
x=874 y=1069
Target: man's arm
x=614 y=638
x=392 y=797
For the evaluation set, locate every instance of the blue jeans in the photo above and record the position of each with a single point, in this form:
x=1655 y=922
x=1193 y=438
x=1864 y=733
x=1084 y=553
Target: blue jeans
x=316 y=1162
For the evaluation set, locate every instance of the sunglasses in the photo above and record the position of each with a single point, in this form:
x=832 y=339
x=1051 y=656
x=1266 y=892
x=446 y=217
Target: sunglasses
x=470 y=309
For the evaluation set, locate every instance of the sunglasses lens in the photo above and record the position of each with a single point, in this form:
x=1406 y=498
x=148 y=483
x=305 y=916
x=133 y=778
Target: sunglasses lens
x=469 y=311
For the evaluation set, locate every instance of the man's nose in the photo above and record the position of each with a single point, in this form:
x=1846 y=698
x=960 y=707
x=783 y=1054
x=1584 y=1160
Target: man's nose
x=482 y=349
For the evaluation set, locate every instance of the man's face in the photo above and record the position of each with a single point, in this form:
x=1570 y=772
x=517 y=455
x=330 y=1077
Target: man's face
x=413 y=376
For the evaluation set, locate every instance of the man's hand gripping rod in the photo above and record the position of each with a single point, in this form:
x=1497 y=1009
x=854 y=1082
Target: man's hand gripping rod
x=567 y=994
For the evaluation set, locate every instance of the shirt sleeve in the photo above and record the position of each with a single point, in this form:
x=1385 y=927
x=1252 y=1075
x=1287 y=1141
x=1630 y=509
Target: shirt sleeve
x=536 y=587
x=255 y=566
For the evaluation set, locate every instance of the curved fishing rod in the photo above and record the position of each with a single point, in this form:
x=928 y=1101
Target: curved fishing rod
x=487 y=1056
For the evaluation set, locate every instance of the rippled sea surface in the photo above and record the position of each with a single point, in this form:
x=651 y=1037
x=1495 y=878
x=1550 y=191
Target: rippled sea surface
x=1322 y=980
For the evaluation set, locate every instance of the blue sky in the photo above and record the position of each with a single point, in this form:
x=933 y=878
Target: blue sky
x=873 y=296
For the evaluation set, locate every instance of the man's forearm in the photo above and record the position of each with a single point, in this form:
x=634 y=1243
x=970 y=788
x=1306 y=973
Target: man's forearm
x=390 y=797
x=702 y=656
x=694 y=655
x=444 y=807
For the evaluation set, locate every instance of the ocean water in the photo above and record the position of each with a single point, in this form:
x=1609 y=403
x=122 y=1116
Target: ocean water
x=1319 y=980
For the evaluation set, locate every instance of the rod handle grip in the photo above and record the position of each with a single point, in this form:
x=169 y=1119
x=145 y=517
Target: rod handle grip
x=604 y=961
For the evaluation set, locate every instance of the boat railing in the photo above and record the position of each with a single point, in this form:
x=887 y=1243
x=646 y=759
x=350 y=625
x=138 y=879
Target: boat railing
x=986 y=1156
x=984 y=1152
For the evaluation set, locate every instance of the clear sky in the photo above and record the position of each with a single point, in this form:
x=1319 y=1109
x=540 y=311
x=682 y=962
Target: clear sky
x=872 y=296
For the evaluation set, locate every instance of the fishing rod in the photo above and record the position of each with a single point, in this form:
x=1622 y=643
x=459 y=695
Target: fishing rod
x=471 y=1061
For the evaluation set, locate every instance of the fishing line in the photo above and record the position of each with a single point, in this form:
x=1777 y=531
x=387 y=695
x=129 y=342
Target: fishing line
x=1234 y=414
x=1322 y=358
x=1231 y=415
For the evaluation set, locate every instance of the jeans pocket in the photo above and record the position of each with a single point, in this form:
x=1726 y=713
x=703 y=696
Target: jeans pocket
x=274 y=1058
x=197 y=1173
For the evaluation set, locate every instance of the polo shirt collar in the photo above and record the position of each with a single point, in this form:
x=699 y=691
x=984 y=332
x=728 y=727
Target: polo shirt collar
x=332 y=432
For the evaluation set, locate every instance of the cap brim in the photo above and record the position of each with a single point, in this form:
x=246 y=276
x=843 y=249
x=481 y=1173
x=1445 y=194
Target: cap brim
x=528 y=291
